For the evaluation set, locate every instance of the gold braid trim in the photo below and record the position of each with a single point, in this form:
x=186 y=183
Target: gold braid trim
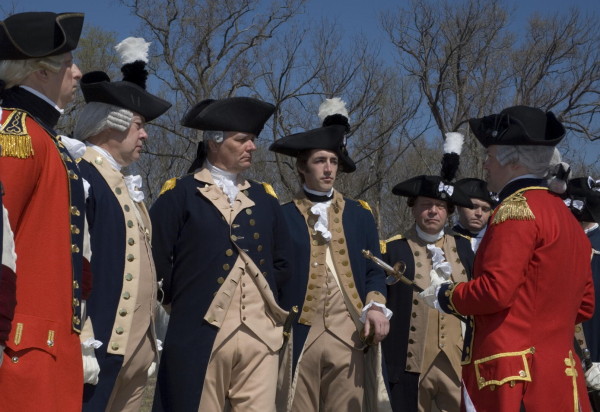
x=168 y=185
x=14 y=139
x=269 y=189
x=383 y=243
x=515 y=207
x=365 y=205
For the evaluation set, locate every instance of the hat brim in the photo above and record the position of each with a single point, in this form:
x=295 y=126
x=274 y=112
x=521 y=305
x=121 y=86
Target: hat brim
x=428 y=186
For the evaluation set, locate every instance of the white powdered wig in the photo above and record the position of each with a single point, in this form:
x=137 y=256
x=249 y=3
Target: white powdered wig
x=132 y=49
x=454 y=142
x=332 y=106
x=95 y=117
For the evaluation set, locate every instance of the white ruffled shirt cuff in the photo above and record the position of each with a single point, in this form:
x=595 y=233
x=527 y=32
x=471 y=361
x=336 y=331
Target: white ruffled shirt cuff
x=363 y=316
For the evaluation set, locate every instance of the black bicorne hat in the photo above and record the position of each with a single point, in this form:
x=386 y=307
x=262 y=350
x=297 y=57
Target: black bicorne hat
x=433 y=187
x=323 y=138
x=331 y=136
x=518 y=126
x=475 y=188
x=39 y=34
x=129 y=93
x=583 y=198
x=233 y=114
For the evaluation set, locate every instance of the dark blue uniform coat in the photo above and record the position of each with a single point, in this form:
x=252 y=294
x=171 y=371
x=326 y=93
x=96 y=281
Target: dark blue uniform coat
x=193 y=250
x=361 y=233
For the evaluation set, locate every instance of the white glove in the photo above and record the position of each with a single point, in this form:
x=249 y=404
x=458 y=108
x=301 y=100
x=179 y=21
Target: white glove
x=592 y=376
x=91 y=368
x=1 y=353
x=436 y=278
x=152 y=369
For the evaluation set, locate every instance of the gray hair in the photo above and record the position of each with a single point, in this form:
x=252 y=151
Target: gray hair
x=538 y=160
x=14 y=72
x=97 y=117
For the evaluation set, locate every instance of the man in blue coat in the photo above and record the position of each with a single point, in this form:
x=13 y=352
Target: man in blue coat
x=583 y=198
x=121 y=308
x=221 y=246
x=341 y=294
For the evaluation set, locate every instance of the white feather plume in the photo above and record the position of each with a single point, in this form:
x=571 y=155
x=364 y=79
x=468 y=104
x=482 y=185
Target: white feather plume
x=454 y=142
x=332 y=106
x=132 y=49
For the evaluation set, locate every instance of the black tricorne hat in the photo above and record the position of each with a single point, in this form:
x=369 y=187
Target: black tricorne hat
x=583 y=198
x=129 y=93
x=233 y=114
x=39 y=34
x=433 y=187
x=323 y=138
x=97 y=87
x=475 y=188
x=518 y=126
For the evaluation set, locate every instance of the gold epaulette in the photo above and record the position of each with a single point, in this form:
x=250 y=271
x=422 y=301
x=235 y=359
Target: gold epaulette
x=515 y=207
x=453 y=233
x=168 y=185
x=14 y=138
x=269 y=189
x=383 y=243
x=365 y=205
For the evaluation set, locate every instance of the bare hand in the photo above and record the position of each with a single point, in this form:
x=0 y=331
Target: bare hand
x=376 y=325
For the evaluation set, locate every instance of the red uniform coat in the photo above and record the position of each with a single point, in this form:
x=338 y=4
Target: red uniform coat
x=532 y=283
x=42 y=366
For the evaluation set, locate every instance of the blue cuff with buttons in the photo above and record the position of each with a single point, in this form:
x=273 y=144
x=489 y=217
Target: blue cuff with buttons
x=445 y=298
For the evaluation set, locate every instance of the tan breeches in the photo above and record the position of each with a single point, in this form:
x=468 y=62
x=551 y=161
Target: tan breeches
x=126 y=395
x=439 y=387
x=331 y=377
x=242 y=374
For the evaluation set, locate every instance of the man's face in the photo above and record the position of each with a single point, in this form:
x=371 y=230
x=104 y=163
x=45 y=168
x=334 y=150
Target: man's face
x=496 y=175
x=62 y=85
x=474 y=220
x=320 y=170
x=234 y=153
x=126 y=146
x=430 y=214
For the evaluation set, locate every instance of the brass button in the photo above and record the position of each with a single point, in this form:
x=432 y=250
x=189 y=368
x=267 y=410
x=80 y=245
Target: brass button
x=98 y=160
x=74 y=230
x=128 y=277
x=220 y=280
x=75 y=211
x=262 y=261
x=417 y=253
x=76 y=320
x=252 y=222
x=355 y=295
x=127 y=208
x=248 y=211
x=315 y=243
x=123 y=312
x=414 y=315
x=256 y=235
x=313 y=275
x=345 y=263
x=129 y=223
x=309 y=298
x=234 y=238
x=114 y=346
x=342 y=252
x=14 y=359
x=131 y=241
x=522 y=374
x=409 y=354
x=229 y=252
x=118 y=190
x=74 y=249
x=315 y=264
x=226 y=266
x=419 y=264
x=130 y=258
x=259 y=248
x=408 y=367
x=311 y=286
x=341 y=241
x=413 y=329
x=73 y=175
x=76 y=302
x=411 y=341
x=418 y=276
x=119 y=330
x=336 y=220
x=75 y=284
x=50 y=343
x=126 y=295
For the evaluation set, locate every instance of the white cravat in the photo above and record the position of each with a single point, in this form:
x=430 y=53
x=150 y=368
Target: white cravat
x=225 y=180
x=320 y=209
x=427 y=237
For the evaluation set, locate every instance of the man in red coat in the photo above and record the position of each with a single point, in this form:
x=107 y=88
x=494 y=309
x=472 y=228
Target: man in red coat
x=44 y=195
x=532 y=281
